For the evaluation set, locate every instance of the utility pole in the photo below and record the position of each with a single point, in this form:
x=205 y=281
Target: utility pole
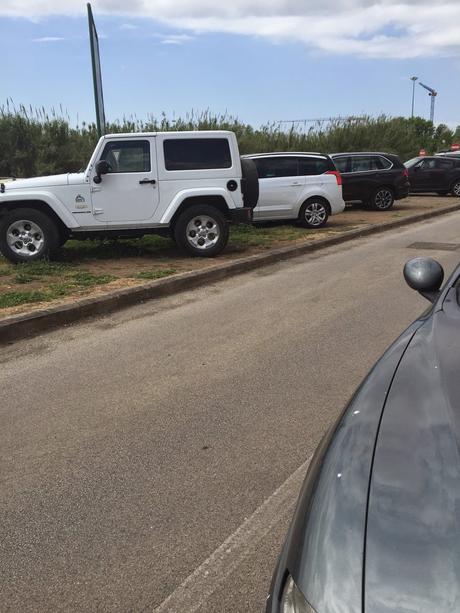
x=97 y=73
x=433 y=93
x=413 y=79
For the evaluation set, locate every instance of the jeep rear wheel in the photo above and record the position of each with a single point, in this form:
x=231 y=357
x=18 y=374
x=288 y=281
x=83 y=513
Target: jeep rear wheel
x=201 y=230
x=27 y=235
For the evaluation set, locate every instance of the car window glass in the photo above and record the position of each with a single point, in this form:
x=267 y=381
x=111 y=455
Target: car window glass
x=312 y=166
x=269 y=168
x=444 y=164
x=361 y=164
x=380 y=163
x=127 y=156
x=428 y=164
x=197 y=153
x=412 y=162
x=341 y=164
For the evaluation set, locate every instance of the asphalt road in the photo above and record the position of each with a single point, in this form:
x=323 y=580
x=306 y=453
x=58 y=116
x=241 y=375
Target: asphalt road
x=140 y=453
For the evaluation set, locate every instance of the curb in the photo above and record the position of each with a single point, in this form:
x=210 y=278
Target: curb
x=29 y=324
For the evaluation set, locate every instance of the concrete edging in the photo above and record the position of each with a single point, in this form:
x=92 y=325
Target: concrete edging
x=29 y=324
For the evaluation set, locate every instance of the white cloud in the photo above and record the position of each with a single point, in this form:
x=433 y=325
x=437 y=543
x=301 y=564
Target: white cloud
x=128 y=26
x=176 y=39
x=369 y=28
x=48 y=39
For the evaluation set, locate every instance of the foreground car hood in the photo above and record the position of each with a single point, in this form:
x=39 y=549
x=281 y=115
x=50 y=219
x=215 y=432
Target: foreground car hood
x=413 y=536
x=324 y=548
x=43 y=182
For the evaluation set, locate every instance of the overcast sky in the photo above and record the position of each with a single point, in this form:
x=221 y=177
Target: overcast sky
x=262 y=60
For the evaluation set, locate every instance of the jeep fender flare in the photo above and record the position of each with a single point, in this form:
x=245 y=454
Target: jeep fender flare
x=39 y=198
x=184 y=195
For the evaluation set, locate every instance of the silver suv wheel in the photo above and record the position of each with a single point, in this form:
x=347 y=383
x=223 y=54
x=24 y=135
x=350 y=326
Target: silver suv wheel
x=456 y=188
x=25 y=238
x=315 y=214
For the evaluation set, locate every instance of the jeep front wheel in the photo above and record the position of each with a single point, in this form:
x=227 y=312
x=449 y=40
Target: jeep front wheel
x=201 y=230
x=27 y=235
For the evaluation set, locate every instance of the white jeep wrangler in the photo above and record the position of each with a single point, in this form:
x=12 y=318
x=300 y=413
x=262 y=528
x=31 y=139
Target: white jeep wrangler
x=186 y=184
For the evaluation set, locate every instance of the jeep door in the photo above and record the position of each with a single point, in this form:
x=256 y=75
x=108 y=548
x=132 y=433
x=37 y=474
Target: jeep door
x=280 y=187
x=128 y=193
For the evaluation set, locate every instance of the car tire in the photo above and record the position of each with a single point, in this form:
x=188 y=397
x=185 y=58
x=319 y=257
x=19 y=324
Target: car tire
x=201 y=230
x=314 y=213
x=382 y=199
x=36 y=234
x=455 y=189
x=249 y=183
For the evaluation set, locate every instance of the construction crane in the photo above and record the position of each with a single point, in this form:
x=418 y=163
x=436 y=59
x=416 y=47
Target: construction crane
x=433 y=93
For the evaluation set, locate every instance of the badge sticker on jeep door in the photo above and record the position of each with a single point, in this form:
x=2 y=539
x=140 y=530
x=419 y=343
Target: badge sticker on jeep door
x=80 y=202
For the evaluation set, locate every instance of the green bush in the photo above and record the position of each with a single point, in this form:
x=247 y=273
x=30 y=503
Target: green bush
x=36 y=142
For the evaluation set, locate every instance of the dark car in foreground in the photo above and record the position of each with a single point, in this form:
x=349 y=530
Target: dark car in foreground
x=377 y=524
x=375 y=179
x=436 y=173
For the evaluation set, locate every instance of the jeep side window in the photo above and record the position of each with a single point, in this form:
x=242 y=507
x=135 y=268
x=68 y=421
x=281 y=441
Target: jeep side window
x=269 y=168
x=197 y=153
x=127 y=156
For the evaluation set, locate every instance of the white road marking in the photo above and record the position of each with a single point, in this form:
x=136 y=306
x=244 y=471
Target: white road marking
x=196 y=589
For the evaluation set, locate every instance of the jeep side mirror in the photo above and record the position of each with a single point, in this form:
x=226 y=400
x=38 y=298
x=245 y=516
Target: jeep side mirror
x=102 y=168
x=425 y=275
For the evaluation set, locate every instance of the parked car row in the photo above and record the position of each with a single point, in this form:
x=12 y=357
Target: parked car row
x=191 y=185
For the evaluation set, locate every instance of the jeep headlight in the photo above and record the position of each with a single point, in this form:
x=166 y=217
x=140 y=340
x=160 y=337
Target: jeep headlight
x=293 y=601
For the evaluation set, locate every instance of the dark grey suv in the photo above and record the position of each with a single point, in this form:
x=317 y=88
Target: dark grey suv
x=440 y=174
x=375 y=179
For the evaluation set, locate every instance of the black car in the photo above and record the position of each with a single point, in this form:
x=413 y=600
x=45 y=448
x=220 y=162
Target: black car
x=377 y=524
x=437 y=173
x=375 y=179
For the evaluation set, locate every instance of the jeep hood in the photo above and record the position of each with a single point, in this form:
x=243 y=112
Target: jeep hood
x=43 y=182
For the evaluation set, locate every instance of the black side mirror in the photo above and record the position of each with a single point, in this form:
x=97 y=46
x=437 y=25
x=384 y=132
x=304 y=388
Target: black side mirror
x=102 y=168
x=424 y=275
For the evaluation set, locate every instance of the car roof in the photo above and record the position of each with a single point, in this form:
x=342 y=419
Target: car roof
x=363 y=153
x=432 y=157
x=284 y=154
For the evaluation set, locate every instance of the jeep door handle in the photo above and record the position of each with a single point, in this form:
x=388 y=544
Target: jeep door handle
x=296 y=184
x=145 y=181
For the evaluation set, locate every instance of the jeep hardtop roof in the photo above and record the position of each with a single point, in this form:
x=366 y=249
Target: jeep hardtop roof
x=197 y=133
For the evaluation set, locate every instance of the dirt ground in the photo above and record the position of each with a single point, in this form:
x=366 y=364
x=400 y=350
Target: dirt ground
x=91 y=268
